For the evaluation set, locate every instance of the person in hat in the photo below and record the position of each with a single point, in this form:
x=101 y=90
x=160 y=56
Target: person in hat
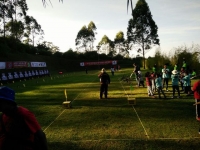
x=175 y=82
x=104 y=80
x=19 y=128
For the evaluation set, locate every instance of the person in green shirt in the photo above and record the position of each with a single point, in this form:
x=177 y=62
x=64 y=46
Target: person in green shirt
x=194 y=73
x=154 y=68
x=184 y=66
x=175 y=67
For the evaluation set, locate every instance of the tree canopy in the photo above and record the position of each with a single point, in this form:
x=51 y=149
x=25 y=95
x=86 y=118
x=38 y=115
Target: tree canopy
x=142 y=30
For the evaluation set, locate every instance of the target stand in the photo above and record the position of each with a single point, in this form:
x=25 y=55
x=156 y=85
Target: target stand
x=131 y=100
x=66 y=103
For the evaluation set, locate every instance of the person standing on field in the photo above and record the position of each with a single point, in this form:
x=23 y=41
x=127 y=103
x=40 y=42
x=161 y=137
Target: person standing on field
x=148 y=84
x=104 y=80
x=165 y=76
x=135 y=71
x=112 y=69
x=19 y=128
x=158 y=82
x=175 y=81
x=196 y=90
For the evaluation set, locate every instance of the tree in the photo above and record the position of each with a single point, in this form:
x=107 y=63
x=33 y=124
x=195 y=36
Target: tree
x=15 y=29
x=82 y=38
x=33 y=28
x=120 y=44
x=47 y=48
x=86 y=36
x=106 y=45
x=142 y=30
x=91 y=29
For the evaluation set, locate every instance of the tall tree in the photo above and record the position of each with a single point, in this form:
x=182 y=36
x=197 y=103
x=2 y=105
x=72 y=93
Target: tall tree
x=86 y=37
x=91 y=29
x=142 y=30
x=106 y=45
x=33 y=28
x=82 y=38
x=120 y=44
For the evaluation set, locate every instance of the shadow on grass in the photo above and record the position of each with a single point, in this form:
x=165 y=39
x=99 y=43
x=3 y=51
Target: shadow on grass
x=109 y=144
x=112 y=102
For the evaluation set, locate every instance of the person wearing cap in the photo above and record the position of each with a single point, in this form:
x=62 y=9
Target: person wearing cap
x=104 y=80
x=19 y=128
x=175 y=81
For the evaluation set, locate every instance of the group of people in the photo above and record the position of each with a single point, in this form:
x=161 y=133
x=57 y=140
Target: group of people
x=157 y=81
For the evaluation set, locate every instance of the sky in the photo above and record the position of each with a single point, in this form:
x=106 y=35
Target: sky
x=178 y=21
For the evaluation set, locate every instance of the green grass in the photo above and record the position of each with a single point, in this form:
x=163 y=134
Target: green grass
x=112 y=124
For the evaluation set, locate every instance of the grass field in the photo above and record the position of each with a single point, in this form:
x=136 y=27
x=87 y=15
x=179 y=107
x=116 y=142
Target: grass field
x=108 y=124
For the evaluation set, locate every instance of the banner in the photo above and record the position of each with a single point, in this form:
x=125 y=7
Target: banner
x=38 y=64
x=2 y=65
x=9 y=65
x=20 y=64
x=112 y=62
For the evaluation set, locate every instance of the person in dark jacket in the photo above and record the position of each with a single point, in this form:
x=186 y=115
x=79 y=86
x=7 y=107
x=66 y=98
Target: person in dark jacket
x=104 y=80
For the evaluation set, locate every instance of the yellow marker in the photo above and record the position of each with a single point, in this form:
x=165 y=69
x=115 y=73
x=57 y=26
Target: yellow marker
x=24 y=85
x=65 y=92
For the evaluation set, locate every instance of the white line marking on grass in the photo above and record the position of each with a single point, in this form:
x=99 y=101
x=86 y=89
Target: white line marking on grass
x=146 y=134
x=54 y=120
x=65 y=109
x=141 y=123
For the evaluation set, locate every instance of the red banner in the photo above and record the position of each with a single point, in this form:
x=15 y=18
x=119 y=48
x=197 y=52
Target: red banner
x=9 y=65
x=20 y=64
x=113 y=62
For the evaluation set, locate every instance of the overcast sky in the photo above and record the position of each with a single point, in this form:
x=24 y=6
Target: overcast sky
x=178 y=21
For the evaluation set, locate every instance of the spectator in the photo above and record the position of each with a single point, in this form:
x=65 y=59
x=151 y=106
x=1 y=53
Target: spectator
x=158 y=82
x=18 y=126
x=187 y=83
x=165 y=76
x=112 y=69
x=148 y=83
x=196 y=90
x=175 y=85
x=136 y=69
x=140 y=79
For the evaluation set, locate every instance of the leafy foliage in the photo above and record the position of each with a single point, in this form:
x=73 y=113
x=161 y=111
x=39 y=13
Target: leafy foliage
x=86 y=36
x=142 y=30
